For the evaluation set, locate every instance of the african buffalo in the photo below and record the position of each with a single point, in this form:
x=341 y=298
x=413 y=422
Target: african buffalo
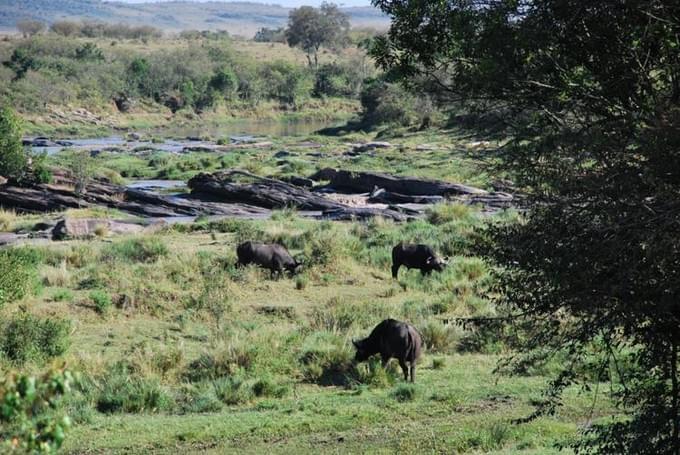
x=416 y=257
x=271 y=256
x=390 y=339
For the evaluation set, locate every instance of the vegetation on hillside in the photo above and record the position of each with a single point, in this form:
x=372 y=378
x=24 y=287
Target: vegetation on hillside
x=50 y=78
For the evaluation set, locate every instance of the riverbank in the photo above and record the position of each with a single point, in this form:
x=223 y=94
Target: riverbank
x=154 y=120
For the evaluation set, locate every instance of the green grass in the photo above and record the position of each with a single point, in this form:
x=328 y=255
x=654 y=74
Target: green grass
x=204 y=356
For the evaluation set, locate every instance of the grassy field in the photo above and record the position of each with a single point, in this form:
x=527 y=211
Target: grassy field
x=176 y=349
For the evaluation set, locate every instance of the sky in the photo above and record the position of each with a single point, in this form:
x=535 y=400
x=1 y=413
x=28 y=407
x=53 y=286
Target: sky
x=286 y=3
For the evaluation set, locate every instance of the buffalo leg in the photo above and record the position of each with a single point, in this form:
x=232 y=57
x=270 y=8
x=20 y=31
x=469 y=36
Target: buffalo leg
x=395 y=270
x=413 y=372
x=277 y=267
x=404 y=368
x=385 y=359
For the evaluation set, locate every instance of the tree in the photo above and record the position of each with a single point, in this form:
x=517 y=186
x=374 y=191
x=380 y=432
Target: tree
x=66 y=28
x=17 y=164
x=311 y=28
x=20 y=62
x=82 y=167
x=286 y=82
x=224 y=82
x=30 y=28
x=590 y=93
x=13 y=157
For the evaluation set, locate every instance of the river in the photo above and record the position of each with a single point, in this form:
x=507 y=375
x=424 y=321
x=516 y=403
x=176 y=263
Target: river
x=238 y=130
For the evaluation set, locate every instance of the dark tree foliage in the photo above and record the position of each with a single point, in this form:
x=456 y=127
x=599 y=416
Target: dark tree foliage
x=20 y=62
x=591 y=92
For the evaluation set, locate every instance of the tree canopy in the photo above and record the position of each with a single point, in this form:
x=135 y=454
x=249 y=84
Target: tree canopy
x=590 y=93
x=311 y=28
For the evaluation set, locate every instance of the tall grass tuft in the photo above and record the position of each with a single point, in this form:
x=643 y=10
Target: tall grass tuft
x=144 y=249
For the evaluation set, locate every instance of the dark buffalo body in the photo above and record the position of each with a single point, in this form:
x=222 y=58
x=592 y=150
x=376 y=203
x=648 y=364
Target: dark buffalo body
x=419 y=256
x=392 y=339
x=268 y=255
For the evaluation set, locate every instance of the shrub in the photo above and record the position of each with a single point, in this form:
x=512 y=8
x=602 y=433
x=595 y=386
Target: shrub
x=121 y=391
x=438 y=363
x=28 y=421
x=61 y=295
x=101 y=301
x=301 y=282
x=266 y=387
x=231 y=390
x=323 y=244
x=445 y=213
x=29 y=338
x=405 y=392
x=372 y=373
x=438 y=337
x=224 y=360
x=18 y=273
x=326 y=359
x=146 y=249
x=192 y=398
x=13 y=157
x=385 y=103
x=7 y=220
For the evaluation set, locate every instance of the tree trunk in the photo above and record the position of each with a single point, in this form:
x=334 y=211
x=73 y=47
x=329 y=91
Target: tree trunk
x=674 y=384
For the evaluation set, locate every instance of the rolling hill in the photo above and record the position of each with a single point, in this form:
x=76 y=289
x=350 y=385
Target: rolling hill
x=238 y=18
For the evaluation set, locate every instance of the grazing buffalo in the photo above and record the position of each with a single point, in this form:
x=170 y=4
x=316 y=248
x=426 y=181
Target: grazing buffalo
x=416 y=257
x=268 y=255
x=390 y=339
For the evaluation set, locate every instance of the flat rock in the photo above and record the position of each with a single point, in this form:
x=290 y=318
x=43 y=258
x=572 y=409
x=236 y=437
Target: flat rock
x=83 y=228
x=365 y=182
x=360 y=148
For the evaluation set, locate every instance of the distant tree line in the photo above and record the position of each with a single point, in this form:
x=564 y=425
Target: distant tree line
x=89 y=29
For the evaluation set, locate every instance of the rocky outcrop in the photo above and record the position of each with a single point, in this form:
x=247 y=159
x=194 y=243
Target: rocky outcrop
x=365 y=182
x=83 y=228
x=60 y=195
x=382 y=196
x=244 y=187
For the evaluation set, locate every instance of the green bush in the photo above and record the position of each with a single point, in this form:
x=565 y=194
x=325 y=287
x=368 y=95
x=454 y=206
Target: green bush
x=13 y=158
x=146 y=249
x=231 y=390
x=267 y=387
x=438 y=337
x=405 y=392
x=326 y=359
x=61 y=295
x=28 y=422
x=386 y=103
x=29 y=338
x=18 y=273
x=101 y=300
x=121 y=391
x=197 y=398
